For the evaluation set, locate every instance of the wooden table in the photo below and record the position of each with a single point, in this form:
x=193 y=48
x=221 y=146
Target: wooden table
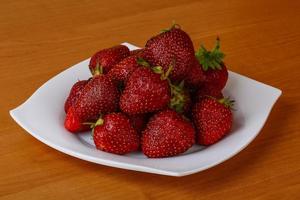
x=39 y=39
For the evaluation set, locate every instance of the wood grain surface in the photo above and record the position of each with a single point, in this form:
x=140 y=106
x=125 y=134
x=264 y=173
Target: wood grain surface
x=39 y=39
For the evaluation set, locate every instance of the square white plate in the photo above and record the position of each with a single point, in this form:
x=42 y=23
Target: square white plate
x=42 y=116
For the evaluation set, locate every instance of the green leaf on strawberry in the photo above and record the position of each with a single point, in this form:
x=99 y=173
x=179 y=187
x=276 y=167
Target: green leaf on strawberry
x=210 y=59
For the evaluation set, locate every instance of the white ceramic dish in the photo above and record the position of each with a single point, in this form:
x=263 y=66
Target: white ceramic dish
x=42 y=116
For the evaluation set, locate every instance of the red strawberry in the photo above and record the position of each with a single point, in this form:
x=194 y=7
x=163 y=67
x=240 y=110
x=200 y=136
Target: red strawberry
x=73 y=122
x=115 y=134
x=171 y=47
x=145 y=91
x=217 y=78
x=137 y=52
x=121 y=71
x=195 y=76
x=74 y=94
x=99 y=95
x=167 y=134
x=213 y=119
x=138 y=122
x=208 y=90
x=107 y=58
x=215 y=71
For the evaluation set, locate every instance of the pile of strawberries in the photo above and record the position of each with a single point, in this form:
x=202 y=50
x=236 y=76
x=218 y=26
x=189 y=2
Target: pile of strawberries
x=161 y=99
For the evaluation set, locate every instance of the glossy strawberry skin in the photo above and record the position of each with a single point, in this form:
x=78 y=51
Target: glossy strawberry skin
x=144 y=92
x=99 y=95
x=116 y=135
x=173 y=47
x=212 y=120
x=216 y=78
x=107 y=58
x=195 y=76
x=167 y=134
x=74 y=94
x=121 y=71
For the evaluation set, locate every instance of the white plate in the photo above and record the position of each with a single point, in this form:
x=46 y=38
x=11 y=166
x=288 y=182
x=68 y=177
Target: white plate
x=42 y=115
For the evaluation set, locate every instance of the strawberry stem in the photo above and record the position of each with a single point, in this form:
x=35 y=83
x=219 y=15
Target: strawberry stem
x=157 y=70
x=166 y=75
x=210 y=59
x=178 y=98
x=142 y=62
x=227 y=102
x=91 y=124
x=99 y=122
x=98 y=69
x=87 y=123
x=174 y=25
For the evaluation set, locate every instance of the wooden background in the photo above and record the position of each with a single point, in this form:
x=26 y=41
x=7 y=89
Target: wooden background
x=39 y=39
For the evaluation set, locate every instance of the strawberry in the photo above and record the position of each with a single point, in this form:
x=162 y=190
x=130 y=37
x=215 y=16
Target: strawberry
x=115 y=134
x=167 y=134
x=195 y=76
x=121 y=71
x=99 y=95
x=137 y=52
x=217 y=78
x=145 y=91
x=213 y=119
x=215 y=71
x=107 y=58
x=138 y=122
x=74 y=94
x=171 y=47
x=208 y=90
x=73 y=122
